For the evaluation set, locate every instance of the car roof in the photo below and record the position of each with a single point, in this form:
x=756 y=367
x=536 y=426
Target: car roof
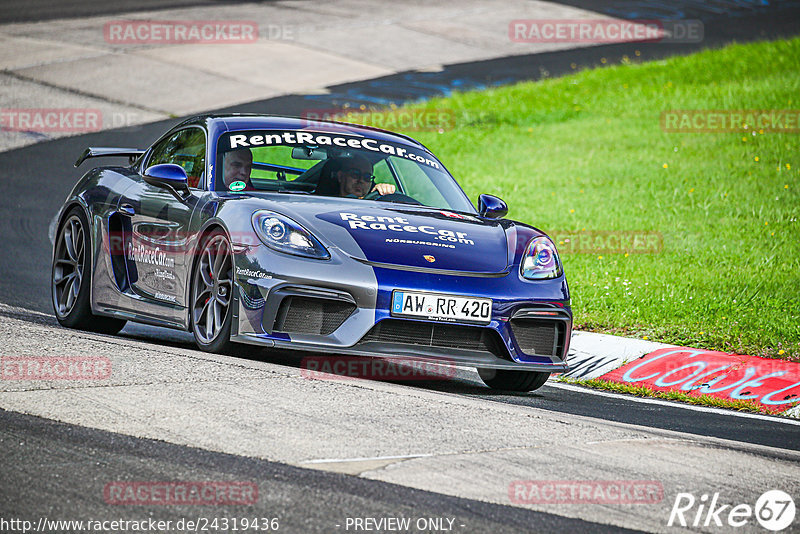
x=219 y=124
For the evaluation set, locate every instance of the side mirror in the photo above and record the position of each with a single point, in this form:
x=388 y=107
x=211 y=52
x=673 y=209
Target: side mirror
x=491 y=207
x=170 y=177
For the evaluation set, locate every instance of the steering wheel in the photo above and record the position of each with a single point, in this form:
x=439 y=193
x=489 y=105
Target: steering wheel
x=392 y=197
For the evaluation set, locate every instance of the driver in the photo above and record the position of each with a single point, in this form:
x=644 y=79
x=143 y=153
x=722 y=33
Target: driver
x=355 y=179
x=237 y=167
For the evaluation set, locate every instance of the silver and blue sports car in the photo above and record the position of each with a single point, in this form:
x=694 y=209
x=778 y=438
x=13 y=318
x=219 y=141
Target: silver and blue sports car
x=319 y=236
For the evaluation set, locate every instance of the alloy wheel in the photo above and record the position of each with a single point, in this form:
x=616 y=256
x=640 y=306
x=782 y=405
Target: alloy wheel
x=69 y=266
x=212 y=289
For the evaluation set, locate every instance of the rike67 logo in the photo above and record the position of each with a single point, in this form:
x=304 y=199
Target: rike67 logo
x=774 y=510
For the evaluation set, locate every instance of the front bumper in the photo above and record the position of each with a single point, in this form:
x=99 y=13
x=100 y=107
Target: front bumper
x=341 y=306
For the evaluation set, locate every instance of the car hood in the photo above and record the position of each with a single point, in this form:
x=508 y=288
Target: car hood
x=396 y=234
x=419 y=237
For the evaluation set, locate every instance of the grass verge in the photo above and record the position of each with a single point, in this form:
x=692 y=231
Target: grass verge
x=699 y=400
x=587 y=152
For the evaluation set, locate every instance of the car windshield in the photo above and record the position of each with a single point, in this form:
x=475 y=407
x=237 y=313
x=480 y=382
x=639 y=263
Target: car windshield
x=334 y=164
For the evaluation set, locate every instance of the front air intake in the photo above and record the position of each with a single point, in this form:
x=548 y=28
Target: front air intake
x=541 y=337
x=309 y=315
x=438 y=335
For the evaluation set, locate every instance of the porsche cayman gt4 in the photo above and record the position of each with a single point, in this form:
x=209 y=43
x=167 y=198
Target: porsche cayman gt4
x=325 y=237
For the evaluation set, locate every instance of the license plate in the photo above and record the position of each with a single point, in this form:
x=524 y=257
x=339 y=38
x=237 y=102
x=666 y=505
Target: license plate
x=441 y=307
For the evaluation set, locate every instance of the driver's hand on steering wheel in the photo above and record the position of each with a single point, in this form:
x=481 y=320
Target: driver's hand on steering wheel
x=384 y=189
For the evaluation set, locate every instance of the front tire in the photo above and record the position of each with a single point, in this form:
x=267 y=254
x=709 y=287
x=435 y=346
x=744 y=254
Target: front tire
x=212 y=291
x=519 y=381
x=71 y=278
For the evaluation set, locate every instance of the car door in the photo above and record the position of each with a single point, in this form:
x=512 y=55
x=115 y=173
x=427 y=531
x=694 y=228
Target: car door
x=157 y=237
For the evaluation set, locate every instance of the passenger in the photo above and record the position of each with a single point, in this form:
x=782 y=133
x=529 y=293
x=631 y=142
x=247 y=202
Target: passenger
x=354 y=178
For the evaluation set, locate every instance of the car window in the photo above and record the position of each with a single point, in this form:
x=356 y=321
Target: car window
x=333 y=163
x=382 y=173
x=417 y=183
x=186 y=148
x=277 y=163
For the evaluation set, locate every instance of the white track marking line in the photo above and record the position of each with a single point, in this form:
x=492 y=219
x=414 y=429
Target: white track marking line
x=366 y=459
x=693 y=407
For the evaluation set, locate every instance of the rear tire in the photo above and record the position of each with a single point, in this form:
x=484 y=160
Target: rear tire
x=519 y=381
x=71 y=278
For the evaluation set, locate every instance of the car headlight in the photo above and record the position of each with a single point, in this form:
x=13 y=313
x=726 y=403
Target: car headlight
x=281 y=233
x=540 y=261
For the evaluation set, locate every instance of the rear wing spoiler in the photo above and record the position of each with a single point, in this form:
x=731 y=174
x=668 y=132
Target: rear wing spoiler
x=99 y=152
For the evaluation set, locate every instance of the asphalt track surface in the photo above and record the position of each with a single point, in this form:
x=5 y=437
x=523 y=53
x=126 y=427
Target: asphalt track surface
x=763 y=430
x=38 y=10
x=60 y=472
x=59 y=469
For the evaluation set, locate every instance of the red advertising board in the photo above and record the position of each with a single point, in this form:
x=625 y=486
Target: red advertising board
x=775 y=384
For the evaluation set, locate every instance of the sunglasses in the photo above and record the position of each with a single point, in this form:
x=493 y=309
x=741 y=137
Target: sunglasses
x=364 y=176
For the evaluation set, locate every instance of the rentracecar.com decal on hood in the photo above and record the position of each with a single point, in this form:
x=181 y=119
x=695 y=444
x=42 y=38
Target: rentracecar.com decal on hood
x=404 y=228
x=423 y=239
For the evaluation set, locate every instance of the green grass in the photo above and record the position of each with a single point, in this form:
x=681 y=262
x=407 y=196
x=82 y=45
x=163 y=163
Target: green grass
x=587 y=152
x=677 y=396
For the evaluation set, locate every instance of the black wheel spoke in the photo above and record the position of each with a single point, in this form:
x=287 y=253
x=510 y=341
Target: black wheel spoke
x=206 y=277
x=64 y=278
x=199 y=315
x=205 y=293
